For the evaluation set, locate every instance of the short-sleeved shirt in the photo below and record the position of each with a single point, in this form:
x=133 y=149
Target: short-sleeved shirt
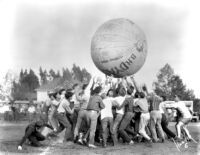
x=95 y=103
x=128 y=104
x=120 y=100
x=181 y=107
x=142 y=105
x=64 y=107
x=76 y=102
x=107 y=111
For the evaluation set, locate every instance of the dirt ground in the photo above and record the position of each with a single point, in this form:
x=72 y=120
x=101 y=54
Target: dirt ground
x=11 y=133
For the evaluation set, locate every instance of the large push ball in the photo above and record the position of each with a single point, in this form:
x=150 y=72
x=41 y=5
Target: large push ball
x=119 y=48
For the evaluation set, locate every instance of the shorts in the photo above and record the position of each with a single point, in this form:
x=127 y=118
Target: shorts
x=185 y=120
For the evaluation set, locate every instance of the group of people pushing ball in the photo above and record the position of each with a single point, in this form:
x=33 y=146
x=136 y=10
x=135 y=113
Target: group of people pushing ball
x=108 y=111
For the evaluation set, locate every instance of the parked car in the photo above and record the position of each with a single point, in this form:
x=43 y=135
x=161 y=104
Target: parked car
x=195 y=117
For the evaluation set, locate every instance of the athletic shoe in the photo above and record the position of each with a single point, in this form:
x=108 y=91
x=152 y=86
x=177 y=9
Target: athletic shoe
x=131 y=142
x=85 y=141
x=149 y=143
x=80 y=141
x=92 y=146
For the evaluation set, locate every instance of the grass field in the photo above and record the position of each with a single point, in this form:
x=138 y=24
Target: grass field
x=11 y=133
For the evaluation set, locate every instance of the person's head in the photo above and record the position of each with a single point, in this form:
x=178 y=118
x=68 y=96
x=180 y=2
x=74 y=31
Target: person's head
x=56 y=95
x=137 y=94
x=163 y=98
x=129 y=91
x=142 y=95
x=75 y=87
x=69 y=95
x=110 y=93
x=122 y=91
x=132 y=87
x=62 y=93
x=82 y=89
x=97 y=90
x=176 y=98
x=103 y=95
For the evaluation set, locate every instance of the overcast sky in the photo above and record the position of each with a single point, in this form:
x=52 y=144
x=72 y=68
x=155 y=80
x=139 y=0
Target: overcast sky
x=56 y=34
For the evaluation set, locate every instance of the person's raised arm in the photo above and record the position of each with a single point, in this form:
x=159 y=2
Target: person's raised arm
x=89 y=86
x=134 y=83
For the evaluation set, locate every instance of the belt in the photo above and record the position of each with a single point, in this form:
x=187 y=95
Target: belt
x=61 y=113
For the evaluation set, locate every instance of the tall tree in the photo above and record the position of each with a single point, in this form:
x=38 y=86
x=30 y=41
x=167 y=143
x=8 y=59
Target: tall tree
x=43 y=76
x=67 y=75
x=77 y=73
x=168 y=84
x=52 y=73
x=161 y=85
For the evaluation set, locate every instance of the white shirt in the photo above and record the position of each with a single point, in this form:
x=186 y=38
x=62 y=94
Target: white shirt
x=120 y=100
x=107 y=111
x=182 y=108
x=162 y=107
x=76 y=102
x=31 y=109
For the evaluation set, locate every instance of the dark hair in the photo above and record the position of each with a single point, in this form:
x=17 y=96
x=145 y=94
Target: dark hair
x=68 y=94
x=132 y=87
x=164 y=98
x=97 y=90
x=55 y=94
x=142 y=95
x=75 y=85
x=109 y=91
x=129 y=91
x=122 y=91
x=61 y=90
x=137 y=94
x=84 y=86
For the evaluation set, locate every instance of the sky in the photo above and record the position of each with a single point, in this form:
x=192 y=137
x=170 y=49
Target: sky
x=56 y=34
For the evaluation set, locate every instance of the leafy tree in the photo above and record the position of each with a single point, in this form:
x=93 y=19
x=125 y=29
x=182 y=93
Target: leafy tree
x=168 y=84
x=77 y=73
x=58 y=74
x=43 y=76
x=67 y=75
x=52 y=73
x=25 y=87
x=161 y=86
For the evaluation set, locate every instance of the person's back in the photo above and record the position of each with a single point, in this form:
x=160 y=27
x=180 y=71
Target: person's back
x=143 y=105
x=95 y=103
x=120 y=100
x=129 y=104
x=107 y=111
x=183 y=109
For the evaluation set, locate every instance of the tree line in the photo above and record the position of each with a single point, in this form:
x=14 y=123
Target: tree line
x=24 y=88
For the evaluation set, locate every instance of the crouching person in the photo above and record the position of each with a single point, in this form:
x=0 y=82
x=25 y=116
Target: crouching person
x=33 y=134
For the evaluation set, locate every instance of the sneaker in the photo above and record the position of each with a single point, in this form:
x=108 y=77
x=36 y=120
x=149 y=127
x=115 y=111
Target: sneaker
x=85 y=141
x=104 y=145
x=80 y=141
x=92 y=146
x=149 y=143
x=131 y=142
